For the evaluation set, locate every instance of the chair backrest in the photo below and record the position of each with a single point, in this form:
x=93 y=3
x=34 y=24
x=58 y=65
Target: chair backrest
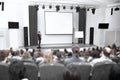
x=28 y=61
x=51 y=72
x=102 y=71
x=115 y=75
x=4 y=74
x=31 y=71
x=83 y=69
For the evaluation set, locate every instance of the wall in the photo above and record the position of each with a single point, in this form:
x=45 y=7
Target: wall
x=114 y=19
x=92 y=21
x=16 y=11
x=114 y=25
x=102 y=15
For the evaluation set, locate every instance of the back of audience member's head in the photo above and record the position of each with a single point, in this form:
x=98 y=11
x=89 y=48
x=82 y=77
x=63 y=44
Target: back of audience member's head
x=106 y=51
x=55 y=51
x=114 y=46
x=69 y=54
x=93 y=49
x=17 y=70
x=109 y=46
x=26 y=55
x=75 y=49
x=71 y=73
x=26 y=49
x=16 y=53
x=95 y=54
x=65 y=50
x=3 y=55
x=21 y=51
x=59 y=54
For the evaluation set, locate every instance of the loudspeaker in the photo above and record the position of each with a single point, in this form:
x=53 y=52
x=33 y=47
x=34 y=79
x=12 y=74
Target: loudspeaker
x=111 y=11
x=25 y=36
x=2 y=6
x=93 y=10
x=13 y=25
x=91 y=36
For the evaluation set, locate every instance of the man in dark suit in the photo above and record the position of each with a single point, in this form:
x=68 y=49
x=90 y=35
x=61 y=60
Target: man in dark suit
x=39 y=38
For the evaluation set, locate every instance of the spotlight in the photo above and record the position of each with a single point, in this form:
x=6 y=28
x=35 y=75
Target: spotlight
x=57 y=8
x=50 y=6
x=64 y=7
x=77 y=9
x=43 y=7
x=93 y=10
x=71 y=7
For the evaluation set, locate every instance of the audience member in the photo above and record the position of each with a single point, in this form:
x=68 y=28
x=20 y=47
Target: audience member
x=40 y=59
x=3 y=56
x=75 y=55
x=16 y=55
x=11 y=53
x=21 y=52
x=59 y=59
x=104 y=56
x=26 y=56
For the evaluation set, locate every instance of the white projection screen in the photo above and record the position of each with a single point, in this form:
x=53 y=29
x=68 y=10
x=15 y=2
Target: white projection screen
x=59 y=23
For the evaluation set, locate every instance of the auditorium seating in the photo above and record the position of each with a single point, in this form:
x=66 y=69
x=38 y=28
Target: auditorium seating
x=4 y=75
x=31 y=70
x=102 y=71
x=83 y=68
x=51 y=71
x=115 y=74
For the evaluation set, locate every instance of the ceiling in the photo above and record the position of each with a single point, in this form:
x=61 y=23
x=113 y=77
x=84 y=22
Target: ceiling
x=97 y=3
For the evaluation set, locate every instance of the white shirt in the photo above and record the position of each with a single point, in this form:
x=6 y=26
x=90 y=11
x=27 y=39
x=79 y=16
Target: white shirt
x=102 y=59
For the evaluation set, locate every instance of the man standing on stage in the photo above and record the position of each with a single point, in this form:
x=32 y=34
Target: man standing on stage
x=39 y=38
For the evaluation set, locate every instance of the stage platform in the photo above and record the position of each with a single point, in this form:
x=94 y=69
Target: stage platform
x=59 y=46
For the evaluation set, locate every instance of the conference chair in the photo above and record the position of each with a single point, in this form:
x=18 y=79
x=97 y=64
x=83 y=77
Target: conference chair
x=115 y=59
x=82 y=68
x=4 y=74
x=31 y=71
x=102 y=71
x=51 y=71
x=115 y=74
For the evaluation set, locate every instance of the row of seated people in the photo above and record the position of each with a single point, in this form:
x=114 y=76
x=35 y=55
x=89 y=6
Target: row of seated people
x=61 y=58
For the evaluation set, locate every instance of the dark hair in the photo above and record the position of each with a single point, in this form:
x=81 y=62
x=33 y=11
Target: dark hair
x=3 y=54
x=71 y=73
x=17 y=70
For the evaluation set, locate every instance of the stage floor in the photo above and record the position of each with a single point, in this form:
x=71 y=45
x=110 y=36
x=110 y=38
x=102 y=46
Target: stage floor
x=59 y=46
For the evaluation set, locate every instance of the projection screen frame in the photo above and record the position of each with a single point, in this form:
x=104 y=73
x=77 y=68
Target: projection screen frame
x=60 y=33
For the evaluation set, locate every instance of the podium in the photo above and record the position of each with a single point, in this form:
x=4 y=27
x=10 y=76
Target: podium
x=79 y=36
